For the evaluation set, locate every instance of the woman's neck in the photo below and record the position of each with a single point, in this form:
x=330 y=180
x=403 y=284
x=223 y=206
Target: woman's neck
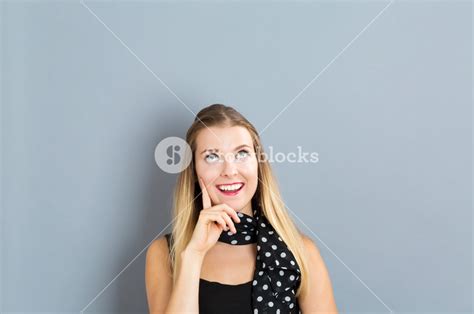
x=247 y=209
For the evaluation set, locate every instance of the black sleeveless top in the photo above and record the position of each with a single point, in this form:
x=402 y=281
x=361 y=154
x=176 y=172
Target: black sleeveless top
x=216 y=297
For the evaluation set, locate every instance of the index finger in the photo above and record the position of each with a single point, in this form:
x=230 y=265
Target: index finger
x=206 y=201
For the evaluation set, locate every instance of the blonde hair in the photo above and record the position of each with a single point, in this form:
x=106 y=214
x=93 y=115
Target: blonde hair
x=187 y=204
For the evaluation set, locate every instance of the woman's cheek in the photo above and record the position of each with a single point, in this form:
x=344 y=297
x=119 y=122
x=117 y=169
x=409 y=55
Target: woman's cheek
x=212 y=173
x=251 y=169
x=250 y=172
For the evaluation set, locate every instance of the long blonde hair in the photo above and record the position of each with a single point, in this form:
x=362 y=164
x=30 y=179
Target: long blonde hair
x=187 y=204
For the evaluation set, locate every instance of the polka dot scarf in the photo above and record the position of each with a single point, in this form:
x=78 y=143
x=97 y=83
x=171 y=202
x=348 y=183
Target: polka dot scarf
x=277 y=274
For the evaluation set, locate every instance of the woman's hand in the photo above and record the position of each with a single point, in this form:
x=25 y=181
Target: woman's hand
x=211 y=222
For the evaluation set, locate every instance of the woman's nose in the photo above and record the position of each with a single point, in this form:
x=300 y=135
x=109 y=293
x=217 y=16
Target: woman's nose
x=230 y=168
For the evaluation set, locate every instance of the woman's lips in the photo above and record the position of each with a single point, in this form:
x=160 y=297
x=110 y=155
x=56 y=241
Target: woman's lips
x=231 y=193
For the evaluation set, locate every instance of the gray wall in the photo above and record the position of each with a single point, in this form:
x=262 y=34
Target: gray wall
x=388 y=203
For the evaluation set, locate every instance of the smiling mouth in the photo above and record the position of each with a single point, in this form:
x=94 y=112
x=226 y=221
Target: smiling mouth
x=230 y=189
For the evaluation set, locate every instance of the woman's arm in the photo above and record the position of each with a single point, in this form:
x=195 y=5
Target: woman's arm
x=319 y=298
x=162 y=296
x=185 y=295
x=158 y=276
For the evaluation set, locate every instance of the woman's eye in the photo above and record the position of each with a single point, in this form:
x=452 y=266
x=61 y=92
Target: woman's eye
x=212 y=159
x=245 y=154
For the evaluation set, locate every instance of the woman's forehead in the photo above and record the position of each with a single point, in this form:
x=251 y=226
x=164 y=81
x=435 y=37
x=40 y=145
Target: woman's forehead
x=223 y=138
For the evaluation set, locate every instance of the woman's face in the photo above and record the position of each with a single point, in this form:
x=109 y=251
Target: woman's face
x=225 y=159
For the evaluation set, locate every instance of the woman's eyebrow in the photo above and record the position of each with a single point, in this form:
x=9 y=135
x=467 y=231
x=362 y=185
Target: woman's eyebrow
x=216 y=150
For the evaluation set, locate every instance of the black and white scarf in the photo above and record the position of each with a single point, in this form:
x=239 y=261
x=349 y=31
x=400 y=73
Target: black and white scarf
x=277 y=274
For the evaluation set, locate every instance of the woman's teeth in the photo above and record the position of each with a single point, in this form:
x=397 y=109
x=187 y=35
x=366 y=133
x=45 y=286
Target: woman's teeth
x=230 y=188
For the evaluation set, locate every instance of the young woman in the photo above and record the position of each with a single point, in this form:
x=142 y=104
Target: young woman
x=233 y=247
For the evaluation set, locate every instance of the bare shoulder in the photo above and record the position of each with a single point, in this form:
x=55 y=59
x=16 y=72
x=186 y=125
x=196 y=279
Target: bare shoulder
x=158 y=275
x=158 y=248
x=307 y=240
x=157 y=257
x=319 y=296
x=314 y=256
x=310 y=246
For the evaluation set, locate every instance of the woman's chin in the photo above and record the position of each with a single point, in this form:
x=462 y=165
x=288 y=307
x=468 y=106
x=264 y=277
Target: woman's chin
x=236 y=205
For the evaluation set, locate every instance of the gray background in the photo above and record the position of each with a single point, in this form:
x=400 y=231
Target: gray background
x=390 y=197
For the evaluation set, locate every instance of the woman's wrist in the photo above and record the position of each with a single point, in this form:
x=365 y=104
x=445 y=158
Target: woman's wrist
x=191 y=264
x=193 y=255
